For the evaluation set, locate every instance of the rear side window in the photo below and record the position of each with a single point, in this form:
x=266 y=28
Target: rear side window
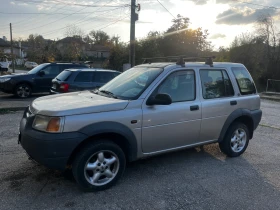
x=244 y=80
x=52 y=69
x=215 y=84
x=64 y=76
x=103 y=77
x=84 y=76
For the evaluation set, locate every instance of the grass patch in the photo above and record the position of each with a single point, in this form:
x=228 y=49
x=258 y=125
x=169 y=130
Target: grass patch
x=269 y=126
x=10 y=110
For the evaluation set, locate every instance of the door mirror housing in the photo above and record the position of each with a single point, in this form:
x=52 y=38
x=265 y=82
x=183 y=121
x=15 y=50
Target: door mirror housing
x=159 y=99
x=41 y=73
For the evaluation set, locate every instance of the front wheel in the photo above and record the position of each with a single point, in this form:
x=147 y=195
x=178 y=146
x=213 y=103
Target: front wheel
x=99 y=165
x=236 y=140
x=23 y=90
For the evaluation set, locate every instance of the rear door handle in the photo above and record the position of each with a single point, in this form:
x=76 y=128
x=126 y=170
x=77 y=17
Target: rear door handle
x=233 y=103
x=194 y=107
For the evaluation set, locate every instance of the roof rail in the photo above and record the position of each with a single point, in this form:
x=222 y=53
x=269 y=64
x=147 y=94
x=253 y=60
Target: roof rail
x=181 y=59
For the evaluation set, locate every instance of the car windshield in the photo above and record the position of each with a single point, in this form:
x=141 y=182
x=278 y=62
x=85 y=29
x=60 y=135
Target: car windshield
x=37 y=68
x=132 y=83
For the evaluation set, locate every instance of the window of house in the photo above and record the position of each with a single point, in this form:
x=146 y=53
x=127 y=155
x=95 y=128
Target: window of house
x=215 y=84
x=244 y=80
x=179 y=85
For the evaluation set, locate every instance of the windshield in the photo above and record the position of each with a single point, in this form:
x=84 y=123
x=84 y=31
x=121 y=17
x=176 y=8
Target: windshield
x=37 y=68
x=132 y=83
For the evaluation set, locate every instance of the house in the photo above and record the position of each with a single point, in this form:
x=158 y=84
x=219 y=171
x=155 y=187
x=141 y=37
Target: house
x=5 y=47
x=71 y=45
x=97 y=51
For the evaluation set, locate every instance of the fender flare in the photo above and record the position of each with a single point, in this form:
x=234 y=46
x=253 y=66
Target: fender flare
x=116 y=128
x=232 y=117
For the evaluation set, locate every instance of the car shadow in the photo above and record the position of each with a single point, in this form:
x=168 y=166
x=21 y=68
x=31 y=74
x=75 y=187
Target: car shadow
x=197 y=178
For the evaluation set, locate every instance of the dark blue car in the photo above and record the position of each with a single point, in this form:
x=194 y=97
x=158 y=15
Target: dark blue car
x=71 y=80
x=37 y=80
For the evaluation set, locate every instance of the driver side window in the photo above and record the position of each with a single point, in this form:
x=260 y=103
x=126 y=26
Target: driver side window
x=179 y=85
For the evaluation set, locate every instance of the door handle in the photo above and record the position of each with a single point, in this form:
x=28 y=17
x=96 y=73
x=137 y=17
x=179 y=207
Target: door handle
x=194 y=107
x=233 y=103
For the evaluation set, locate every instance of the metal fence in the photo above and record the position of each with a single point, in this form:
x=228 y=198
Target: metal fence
x=273 y=86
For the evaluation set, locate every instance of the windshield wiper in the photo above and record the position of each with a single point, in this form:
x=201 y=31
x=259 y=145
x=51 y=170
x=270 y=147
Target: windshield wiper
x=108 y=93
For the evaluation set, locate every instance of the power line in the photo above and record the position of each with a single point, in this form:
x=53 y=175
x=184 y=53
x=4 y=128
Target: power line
x=260 y=5
x=78 y=22
x=73 y=4
x=53 y=21
x=166 y=9
x=48 y=13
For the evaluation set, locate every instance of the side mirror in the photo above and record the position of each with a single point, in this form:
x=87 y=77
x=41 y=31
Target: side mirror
x=159 y=99
x=41 y=73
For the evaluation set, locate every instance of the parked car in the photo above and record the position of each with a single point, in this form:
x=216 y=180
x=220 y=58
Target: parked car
x=71 y=80
x=4 y=64
x=89 y=64
x=37 y=80
x=147 y=110
x=30 y=65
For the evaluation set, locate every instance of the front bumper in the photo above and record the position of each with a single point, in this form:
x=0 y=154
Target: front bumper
x=6 y=87
x=52 y=150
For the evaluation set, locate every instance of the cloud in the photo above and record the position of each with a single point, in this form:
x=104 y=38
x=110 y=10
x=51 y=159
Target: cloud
x=247 y=16
x=217 y=36
x=199 y=2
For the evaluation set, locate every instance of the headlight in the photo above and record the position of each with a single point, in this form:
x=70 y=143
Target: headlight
x=4 y=80
x=48 y=124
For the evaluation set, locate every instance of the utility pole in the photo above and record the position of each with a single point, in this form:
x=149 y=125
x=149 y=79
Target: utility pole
x=12 y=50
x=133 y=18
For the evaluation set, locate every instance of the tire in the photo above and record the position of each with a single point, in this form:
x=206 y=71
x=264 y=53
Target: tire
x=23 y=90
x=99 y=175
x=236 y=140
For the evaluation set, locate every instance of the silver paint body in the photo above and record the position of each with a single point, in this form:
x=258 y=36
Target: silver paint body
x=159 y=128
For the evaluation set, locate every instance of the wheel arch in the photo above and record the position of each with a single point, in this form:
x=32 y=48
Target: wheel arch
x=24 y=82
x=116 y=132
x=240 y=115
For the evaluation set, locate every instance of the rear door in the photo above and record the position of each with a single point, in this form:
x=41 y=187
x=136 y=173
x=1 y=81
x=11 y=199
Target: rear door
x=218 y=101
x=44 y=81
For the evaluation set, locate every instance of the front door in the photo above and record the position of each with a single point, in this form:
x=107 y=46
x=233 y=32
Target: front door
x=175 y=125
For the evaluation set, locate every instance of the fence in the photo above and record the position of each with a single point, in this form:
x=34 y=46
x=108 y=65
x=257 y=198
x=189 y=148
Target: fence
x=273 y=86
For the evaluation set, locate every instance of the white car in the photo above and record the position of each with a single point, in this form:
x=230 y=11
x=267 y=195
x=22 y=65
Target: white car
x=30 y=65
x=4 y=64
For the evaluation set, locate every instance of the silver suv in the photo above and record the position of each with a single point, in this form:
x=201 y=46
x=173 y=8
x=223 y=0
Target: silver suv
x=150 y=109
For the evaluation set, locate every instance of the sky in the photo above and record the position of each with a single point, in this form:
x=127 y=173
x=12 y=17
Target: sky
x=224 y=19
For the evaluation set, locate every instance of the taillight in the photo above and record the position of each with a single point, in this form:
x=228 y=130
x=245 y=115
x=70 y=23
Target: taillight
x=64 y=87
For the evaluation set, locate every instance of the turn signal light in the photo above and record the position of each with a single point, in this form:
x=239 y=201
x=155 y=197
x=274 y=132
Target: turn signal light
x=54 y=125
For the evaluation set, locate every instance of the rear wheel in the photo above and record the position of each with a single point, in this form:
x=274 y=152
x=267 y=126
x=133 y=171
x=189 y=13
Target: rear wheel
x=99 y=165
x=23 y=90
x=236 y=140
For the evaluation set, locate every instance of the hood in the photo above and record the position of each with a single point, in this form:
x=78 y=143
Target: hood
x=76 y=103
x=14 y=75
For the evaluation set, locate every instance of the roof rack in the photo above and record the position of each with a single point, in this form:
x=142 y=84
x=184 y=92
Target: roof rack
x=181 y=59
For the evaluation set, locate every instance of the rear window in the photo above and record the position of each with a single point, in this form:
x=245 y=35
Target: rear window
x=64 y=76
x=244 y=80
